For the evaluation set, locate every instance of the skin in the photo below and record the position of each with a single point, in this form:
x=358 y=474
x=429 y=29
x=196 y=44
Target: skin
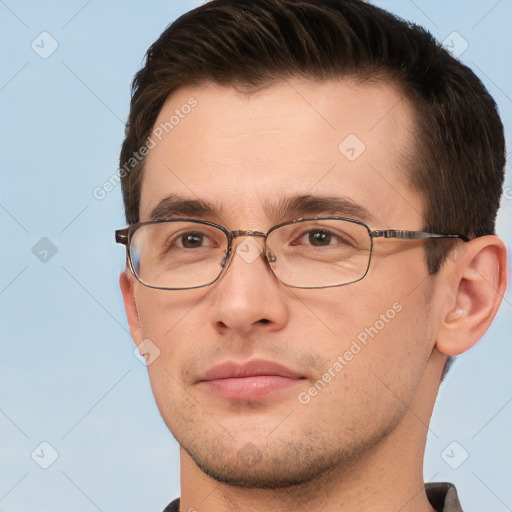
x=358 y=444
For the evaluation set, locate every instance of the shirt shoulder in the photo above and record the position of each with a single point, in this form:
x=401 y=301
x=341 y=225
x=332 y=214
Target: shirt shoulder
x=174 y=506
x=443 y=497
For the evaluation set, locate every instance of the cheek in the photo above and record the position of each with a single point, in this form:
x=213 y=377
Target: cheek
x=170 y=319
x=383 y=353
x=174 y=322
x=385 y=316
x=163 y=313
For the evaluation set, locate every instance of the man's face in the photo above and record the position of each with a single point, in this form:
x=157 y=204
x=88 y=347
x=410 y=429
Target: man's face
x=354 y=354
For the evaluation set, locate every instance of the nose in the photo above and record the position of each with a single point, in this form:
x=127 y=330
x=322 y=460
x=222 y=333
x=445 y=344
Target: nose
x=248 y=296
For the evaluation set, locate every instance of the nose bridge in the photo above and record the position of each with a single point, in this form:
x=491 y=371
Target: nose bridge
x=247 y=293
x=247 y=249
x=249 y=252
x=250 y=232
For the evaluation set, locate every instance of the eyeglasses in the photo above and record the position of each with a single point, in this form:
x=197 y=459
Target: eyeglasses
x=320 y=252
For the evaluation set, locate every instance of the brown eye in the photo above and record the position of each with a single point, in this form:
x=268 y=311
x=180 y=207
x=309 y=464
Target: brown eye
x=192 y=240
x=319 y=238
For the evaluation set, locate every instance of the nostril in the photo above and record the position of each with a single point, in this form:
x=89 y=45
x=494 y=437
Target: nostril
x=264 y=321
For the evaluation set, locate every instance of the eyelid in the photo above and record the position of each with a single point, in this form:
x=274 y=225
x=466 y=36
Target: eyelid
x=205 y=231
x=304 y=230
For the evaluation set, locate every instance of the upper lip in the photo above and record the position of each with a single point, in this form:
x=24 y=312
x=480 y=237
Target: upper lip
x=254 y=368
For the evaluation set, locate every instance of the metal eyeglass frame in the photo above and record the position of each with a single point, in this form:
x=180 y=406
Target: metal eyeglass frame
x=124 y=237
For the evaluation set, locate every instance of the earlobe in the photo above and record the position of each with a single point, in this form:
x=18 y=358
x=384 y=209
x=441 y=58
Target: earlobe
x=126 y=283
x=478 y=281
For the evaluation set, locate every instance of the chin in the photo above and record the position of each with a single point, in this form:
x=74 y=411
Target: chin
x=251 y=469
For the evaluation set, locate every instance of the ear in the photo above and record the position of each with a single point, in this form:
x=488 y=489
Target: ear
x=475 y=284
x=127 y=284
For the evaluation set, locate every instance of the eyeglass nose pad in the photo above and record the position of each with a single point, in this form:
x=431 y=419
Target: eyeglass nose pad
x=225 y=259
x=271 y=257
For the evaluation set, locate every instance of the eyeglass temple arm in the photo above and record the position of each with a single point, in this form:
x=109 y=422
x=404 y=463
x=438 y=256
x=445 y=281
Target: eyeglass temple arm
x=122 y=236
x=412 y=235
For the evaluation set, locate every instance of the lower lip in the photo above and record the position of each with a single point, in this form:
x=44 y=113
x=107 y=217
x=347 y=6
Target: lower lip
x=250 y=388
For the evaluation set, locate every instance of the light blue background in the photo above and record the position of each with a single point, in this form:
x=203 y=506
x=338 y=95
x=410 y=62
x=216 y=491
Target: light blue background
x=68 y=375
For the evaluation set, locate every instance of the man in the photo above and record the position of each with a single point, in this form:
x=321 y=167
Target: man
x=311 y=188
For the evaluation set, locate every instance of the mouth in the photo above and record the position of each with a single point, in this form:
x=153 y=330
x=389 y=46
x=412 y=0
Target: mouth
x=252 y=380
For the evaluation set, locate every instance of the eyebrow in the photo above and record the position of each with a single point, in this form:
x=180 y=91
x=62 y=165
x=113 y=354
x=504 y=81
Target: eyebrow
x=175 y=205
x=319 y=205
x=178 y=206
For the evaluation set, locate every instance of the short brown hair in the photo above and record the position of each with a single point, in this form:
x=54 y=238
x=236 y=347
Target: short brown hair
x=459 y=157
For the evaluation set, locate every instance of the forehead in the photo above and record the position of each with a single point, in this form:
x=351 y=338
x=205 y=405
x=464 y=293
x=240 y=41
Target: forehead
x=244 y=153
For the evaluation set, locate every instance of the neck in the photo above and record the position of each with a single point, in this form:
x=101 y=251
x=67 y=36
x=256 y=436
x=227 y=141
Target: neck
x=386 y=478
